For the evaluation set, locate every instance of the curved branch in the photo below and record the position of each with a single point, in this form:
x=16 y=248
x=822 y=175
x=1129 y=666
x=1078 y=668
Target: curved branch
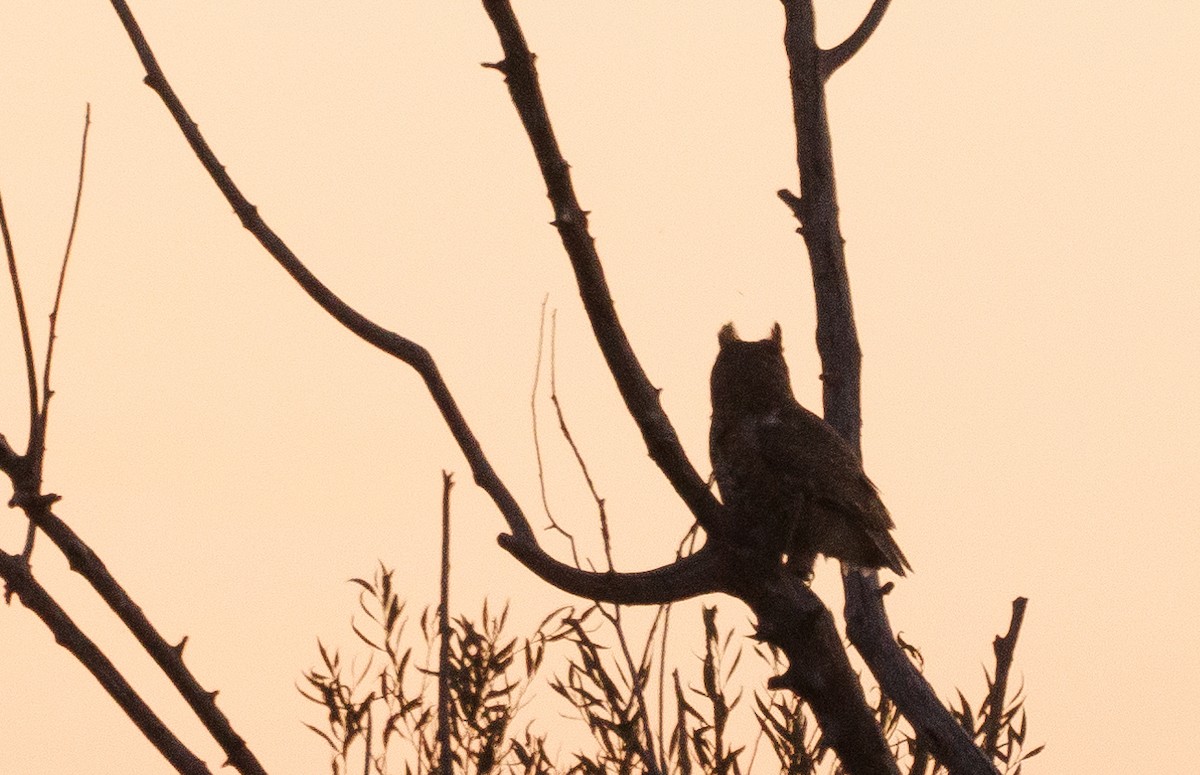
x=522 y=543
x=399 y=347
x=698 y=574
x=832 y=59
x=641 y=397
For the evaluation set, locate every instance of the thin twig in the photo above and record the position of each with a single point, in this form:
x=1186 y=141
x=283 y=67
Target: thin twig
x=26 y=342
x=637 y=672
x=605 y=535
x=37 y=441
x=445 y=755
x=537 y=444
x=62 y=273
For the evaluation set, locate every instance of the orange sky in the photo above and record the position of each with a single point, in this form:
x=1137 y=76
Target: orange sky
x=1019 y=193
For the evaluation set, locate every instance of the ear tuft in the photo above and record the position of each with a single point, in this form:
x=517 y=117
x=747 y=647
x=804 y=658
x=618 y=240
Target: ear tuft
x=727 y=335
x=777 y=335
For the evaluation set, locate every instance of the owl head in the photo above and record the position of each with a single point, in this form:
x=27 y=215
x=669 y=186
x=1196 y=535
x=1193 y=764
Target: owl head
x=750 y=376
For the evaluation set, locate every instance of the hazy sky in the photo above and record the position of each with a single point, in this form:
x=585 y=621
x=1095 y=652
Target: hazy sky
x=1019 y=192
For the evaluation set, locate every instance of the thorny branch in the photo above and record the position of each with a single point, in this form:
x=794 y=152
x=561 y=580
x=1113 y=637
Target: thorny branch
x=67 y=634
x=640 y=396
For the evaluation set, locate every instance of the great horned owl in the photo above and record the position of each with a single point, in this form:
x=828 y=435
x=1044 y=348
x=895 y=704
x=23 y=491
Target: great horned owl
x=786 y=471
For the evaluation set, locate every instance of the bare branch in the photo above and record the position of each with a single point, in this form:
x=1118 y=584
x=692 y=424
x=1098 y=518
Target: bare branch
x=445 y=755
x=26 y=343
x=168 y=657
x=605 y=535
x=62 y=273
x=18 y=579
x=698 y=574
x=869 y=630
x=793 y=618
x=832 y=59
x=1004 y=647
x=641 y=397
x=398 y=346
x=867 y=623
x=537 y=441
x=37 y=442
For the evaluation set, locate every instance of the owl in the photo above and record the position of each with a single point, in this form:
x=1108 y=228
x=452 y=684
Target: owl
x=792 y=479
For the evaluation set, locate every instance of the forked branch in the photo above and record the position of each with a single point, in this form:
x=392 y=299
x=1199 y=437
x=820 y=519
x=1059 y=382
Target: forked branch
x=25 y=473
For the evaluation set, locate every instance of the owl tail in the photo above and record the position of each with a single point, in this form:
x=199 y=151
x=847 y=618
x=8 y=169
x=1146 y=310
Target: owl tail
x=894 y=559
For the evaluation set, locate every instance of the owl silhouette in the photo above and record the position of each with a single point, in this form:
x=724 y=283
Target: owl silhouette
x=791 y=480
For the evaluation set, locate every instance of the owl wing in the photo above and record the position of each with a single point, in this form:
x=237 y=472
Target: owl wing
x=842 y=512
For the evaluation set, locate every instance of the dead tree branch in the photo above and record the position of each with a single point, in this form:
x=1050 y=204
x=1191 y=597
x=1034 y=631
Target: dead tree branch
x=832 y=59
x=444 y=698
x=570 y=219
x=1004 y=648
x=522 y=542
x=27 y=345
x=26 y=472
x=789 y=614
x=33 y=596
x=841 y=360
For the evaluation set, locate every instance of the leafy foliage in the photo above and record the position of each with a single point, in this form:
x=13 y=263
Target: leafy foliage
x=382 y=717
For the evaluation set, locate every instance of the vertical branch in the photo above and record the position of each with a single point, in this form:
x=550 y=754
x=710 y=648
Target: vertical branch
x=62 y=272
x=816 y=209
x=26 y=343
x=1004 y=648
x=445 y=755
x=36 y=450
